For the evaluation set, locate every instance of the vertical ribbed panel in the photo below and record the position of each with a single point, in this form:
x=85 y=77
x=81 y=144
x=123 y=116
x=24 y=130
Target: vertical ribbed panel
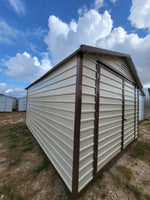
x=22 y=104
x=87 y=123
x=110 y=117
x=50 y=117
x=141 y=107
x=129 y=123
x=6 y=103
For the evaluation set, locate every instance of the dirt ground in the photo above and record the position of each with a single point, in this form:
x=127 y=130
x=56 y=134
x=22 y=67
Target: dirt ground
x=26 y=174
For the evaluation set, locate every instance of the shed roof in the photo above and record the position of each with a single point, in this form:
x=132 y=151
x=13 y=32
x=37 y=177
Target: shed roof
x=99 y=51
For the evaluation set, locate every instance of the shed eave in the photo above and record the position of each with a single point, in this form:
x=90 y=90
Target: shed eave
x=99 y=51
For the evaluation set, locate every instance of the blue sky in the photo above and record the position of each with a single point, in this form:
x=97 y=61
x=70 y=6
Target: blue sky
x=37 y=34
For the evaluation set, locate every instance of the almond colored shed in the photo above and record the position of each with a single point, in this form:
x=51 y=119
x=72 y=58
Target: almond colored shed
x=84 y=113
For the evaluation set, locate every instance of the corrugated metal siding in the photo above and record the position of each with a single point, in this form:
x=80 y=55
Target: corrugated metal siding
x=6 y=103
x=22 y=104
x=141 y=107
x=129 y=124
x=115 y=63
x=50 y=117
x=110 y=117
x=2 y=103
x=87 y=123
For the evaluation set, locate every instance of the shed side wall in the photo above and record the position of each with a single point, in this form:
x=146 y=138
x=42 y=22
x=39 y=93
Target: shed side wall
x=50 y=117
x=22 y=104
x=87 y=123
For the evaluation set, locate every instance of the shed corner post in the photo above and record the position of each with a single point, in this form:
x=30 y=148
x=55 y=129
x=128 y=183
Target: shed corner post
x=96 y=122
x=76 y=147
x=123 y=113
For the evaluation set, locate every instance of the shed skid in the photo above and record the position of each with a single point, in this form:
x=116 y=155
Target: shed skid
x=84 y=113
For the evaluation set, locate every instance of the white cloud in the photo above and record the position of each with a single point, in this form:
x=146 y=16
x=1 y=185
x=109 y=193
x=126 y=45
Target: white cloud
x=89 y=28
x=140 y=13
x=18 y=6
x=113 y=1
x=97 y=29
x=8 y=91
x=98 y=4
x=12 y=90
x=132 y=44
x=3 y=87
x=25 y=68
x=6 y=32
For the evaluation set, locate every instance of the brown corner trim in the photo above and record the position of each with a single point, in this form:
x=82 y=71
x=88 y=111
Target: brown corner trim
x=96 y=123
x=76 y=147
x=138 y=113
x=123 y=108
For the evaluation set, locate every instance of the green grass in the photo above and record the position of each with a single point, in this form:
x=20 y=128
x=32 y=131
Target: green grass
x=147 y=123
x=141 y=151
x=135 y=191
x=24 y=133
x=12 y=146
x=125 y=172
x=147 y=196
x=15 y=161
x=27 y=148
x=43 y=165
x=8 y=192
x=26 y=143
x=103 y=196
x=116 y=178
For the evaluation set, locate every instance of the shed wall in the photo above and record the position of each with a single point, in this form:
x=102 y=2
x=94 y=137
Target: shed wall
x=6 y=103
x=87 y=123
x=110 y=117
x=110 y=114
x=50 y=117
x=22 y=104
x=141 y=107
x=114 y=62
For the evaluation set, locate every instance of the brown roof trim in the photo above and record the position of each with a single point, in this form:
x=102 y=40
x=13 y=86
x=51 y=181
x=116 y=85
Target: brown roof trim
x=95 y=50
x=90 y=49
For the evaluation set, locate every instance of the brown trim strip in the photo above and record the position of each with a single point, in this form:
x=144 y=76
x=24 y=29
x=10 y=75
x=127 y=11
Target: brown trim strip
x=76 y=148
x=137 y=112
x=115 y=72
x=123 y=108
x=96 y=123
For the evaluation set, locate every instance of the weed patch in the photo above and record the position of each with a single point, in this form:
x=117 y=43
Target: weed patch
x=104 y=195
x=125 y=172
x=134 y=190
x=7 y=191
x=12 y=146
x=28 y=148
x=43 y=165
x=15 y=161
x=24 y=133
x=141 y=151
x=147 y=196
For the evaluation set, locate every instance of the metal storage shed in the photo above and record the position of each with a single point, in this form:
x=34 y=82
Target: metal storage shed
x=6 y=103
x=22 y=104
x=84 y=113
